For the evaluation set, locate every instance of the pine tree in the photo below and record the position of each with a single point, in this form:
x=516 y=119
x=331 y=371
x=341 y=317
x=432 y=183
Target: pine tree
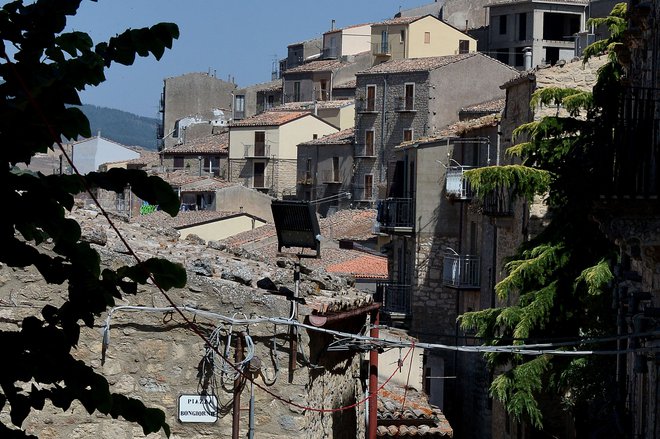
x=558 y=281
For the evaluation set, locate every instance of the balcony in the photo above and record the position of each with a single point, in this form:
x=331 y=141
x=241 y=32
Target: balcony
x=330 y=176
x=305 y=178
x=457 y=186
x=498 y=203
x=330 y=52
x=396 y=215
x=461 y=271
x=365 y=106
x=239 y=114
x=405 y=104
x=364 y=151
x=258 y=151
x=629 y=165
x=383 y=48
x=395 y=297
x=363 y=193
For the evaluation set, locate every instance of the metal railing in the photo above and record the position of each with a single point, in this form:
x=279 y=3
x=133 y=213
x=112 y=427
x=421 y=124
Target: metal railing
x=305 y=178
x=330 y=52
x=330 y=176
x=364 y=150
x=498 y=203
x=395 y=298
x=405 y=103
x=256 y=151
x=366 y=106
x=364 y=193
x=461 y=271
x=456 y=185
x=396 y=214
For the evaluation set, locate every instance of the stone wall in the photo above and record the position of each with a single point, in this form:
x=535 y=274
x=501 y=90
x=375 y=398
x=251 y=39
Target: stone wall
x=155 y=357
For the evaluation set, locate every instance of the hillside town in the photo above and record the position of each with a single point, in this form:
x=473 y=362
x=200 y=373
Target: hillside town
x=378 y=130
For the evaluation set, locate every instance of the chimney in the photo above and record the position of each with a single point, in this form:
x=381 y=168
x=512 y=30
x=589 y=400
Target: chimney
x=332 y=25
x=527 y=54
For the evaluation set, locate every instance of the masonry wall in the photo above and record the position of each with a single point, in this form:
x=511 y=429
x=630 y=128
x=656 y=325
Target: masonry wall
x=155 y=357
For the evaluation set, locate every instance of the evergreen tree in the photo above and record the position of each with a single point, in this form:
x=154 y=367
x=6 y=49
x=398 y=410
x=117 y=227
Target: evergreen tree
x=559 y=280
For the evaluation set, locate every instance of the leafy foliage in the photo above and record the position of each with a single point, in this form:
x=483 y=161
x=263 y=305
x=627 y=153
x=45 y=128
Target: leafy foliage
x=558 y=281
x=42 y=74
x=522 y=180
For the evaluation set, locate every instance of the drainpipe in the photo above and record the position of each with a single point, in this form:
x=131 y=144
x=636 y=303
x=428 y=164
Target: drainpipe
x=382 y=131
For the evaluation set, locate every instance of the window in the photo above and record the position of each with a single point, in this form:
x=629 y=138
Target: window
x=383 y=42
x=408 y=96
x=369 y=143
x=407 y=134
x=371 y=98
x=368 y=186
x=463 y=46
x=315 y=136
x=502 y=55
x=239 y=106
x=519 y=57
x=308 y=171
x=335 y=169
x=178 y=162
x=270 y=102
x=502 y=25
x=522 y=26
x=258 y=175
x=259 y=143
x=296 y=91
x=324 y=95
x=402 y=36
x=427 y=37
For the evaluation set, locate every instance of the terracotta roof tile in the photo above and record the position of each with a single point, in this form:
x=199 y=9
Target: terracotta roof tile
x=183 y=179
x=367 y=266
x=183 y=219
x=352 y=26
x=508 y=2
x=398 y=20
x=494 y=106
x=416 y=64
x=309 y=105
x=270 y=118
x=343 y=137
x=326 y=65
x=347 y=84
x=411 y=407
x=213 y=144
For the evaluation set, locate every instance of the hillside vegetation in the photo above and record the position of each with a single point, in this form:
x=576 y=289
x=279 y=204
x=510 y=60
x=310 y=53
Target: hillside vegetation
x=122 y=127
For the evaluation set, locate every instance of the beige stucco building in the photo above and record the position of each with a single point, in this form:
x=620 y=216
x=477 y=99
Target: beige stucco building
x=417 y=37
x=349 y=40
x=263 y=148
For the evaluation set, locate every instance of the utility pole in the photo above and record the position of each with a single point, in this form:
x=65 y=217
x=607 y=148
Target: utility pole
x=236 y=421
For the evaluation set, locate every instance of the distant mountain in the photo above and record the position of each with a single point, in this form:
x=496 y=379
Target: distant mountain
x=122 y=127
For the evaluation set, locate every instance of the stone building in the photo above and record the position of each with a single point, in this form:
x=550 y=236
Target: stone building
x=193 y=99
x=256 y=99
x=325 y=170
x=201 y=156
x=263 y=149
x=408 y=99
x=153 y=355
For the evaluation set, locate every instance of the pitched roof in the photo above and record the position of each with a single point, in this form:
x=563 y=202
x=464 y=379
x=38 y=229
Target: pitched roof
x=270 y=118
x=213 y=144
x=399 y=20
x=326 y=65
x=347 y=84
x=509 y=2
x=343 y=137
x=200 y=182
x=352 y=26
x=183 y=219
x=404 y=413
x=365 y=266
x=494 y=106
x=309 y=105
x=416 y=64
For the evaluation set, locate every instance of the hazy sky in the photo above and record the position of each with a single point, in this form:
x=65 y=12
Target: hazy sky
x=238 y=38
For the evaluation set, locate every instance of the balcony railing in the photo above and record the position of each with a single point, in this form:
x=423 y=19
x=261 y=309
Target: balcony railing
x=395 y=297
x=498 y=203
x=405 y=103
x=330 y=176
x=381 y=48
x=461 y=271
x=366 y=106
x=330 y=52
x=396 y=215
x=305 y=178
x=363 y=193
x=256 y=151
x=630 y=164
x=363 y=150
x=457 y=185
x=239 y=114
